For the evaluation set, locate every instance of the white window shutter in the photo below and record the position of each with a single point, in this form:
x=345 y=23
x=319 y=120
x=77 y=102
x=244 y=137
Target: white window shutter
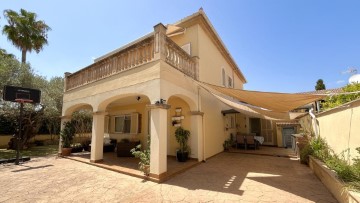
x=134 y=123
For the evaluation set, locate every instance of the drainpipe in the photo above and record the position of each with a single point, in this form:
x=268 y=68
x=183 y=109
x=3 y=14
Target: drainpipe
x=315 y=125
x=317 y=106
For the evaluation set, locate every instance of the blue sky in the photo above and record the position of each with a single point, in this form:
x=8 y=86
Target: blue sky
x=279 y=45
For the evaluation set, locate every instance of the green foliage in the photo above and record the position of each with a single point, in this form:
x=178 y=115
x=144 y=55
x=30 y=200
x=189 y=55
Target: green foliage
x=144 y=156
x=82 y=121
x=228 y=143
x=182 y=137
x=12 y=72
x=318 y=148
x=357 y=159
x=3 y=52
x=320 y=85
x=337 y=100
x=305 y=153
x=67 y=134
x=25 y=31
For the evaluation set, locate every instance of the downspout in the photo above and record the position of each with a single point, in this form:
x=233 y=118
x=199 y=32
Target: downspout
x=203 y=135
x=315 y=125
x=317 y=106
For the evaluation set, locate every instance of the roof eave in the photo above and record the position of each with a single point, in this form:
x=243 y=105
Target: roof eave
x=222 y=45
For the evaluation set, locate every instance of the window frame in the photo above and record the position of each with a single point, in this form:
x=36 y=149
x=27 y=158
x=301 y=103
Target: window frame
x=126 y=117
x=223 y=75
x=230 y=82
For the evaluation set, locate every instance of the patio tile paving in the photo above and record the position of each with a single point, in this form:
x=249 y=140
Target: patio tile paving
x=227 y=177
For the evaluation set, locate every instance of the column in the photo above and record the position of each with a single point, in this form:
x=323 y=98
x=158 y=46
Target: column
x=159 y=41
x=97 y=137
x=158 y=137
x=196 y=137
x=63 y=120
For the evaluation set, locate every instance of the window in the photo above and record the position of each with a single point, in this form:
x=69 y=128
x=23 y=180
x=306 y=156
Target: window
x=223 y=77
x=128 y=123
x=122 y=124
x=267 y=131
x=230 y=83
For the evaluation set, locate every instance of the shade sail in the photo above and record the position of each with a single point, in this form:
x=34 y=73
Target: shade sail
x=273 y=101
x=256 y=112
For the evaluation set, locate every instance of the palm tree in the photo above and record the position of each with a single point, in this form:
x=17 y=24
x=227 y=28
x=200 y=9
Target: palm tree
x=25 y=32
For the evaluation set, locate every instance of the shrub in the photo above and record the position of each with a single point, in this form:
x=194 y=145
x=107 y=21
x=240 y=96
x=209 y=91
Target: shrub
x=318 y=148
x=337 y=100
x=304 y=154
x=144 y=156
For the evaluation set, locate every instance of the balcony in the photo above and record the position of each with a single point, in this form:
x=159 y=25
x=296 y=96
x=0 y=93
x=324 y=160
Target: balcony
x=155 y=46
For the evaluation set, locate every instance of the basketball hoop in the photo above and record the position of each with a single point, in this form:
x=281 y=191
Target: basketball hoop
x=20 y=95
x=23 y=100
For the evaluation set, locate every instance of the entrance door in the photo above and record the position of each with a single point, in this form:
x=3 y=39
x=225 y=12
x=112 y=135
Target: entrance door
x=255 y=126
x=287 y=136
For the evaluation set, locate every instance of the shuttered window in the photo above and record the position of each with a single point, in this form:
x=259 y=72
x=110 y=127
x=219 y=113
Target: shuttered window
x=267 y=131
x=127 y=124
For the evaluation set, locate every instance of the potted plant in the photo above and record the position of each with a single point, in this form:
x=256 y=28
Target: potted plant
x=76 y=147
x=67 y=134
x=144 y=156
x=182 y=137
x=227 y=145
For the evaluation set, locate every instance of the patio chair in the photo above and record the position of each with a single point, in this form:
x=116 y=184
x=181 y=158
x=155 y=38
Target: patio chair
x=240 y=140
x=250 y=141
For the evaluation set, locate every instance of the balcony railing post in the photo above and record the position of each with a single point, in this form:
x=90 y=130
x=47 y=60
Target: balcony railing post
x=196 y=67
x=66 y=85
x=159 y=41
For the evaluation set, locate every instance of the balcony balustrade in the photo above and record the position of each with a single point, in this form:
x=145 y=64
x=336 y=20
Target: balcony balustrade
x=133 y=56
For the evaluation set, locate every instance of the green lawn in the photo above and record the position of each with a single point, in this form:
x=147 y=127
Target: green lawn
x=35 y=151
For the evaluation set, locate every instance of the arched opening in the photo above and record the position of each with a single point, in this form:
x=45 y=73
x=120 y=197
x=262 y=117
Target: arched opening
x=80 y=117
x=178 y=116
x=126 y=120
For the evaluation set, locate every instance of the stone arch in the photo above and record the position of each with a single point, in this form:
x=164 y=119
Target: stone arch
x=69 y=110
x=176 y=102
x=104 y=103
x=190 y=101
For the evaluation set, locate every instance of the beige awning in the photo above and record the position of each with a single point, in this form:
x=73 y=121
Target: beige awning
x=267 y=105
x=276 y=102
x=255 y=111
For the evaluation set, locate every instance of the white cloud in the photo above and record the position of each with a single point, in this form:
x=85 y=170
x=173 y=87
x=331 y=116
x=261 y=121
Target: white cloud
x=340 y=81
x=350 y=70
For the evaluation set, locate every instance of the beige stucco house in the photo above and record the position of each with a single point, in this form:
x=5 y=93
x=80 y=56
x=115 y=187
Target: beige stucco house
x=148 y=87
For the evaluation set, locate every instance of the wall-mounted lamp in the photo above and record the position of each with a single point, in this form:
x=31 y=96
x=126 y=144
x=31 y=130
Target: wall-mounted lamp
x=161 y=101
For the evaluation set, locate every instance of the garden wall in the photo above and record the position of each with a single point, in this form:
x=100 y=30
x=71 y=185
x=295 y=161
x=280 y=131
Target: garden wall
x=340 y=127
x=329 y=179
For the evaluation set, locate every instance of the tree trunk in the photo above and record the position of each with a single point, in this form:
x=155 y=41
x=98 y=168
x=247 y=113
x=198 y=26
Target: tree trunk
x=23 y=56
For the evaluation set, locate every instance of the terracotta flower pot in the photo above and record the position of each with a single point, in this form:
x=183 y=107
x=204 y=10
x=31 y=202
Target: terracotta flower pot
x=66 y=151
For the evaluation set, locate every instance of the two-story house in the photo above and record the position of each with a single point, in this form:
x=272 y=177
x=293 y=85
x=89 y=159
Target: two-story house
x=149 y=87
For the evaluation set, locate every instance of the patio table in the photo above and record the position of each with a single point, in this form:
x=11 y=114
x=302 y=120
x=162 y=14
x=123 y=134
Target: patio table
x=260 y=139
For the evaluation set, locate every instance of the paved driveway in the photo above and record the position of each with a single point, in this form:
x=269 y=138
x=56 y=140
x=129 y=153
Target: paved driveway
x=228 y=177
